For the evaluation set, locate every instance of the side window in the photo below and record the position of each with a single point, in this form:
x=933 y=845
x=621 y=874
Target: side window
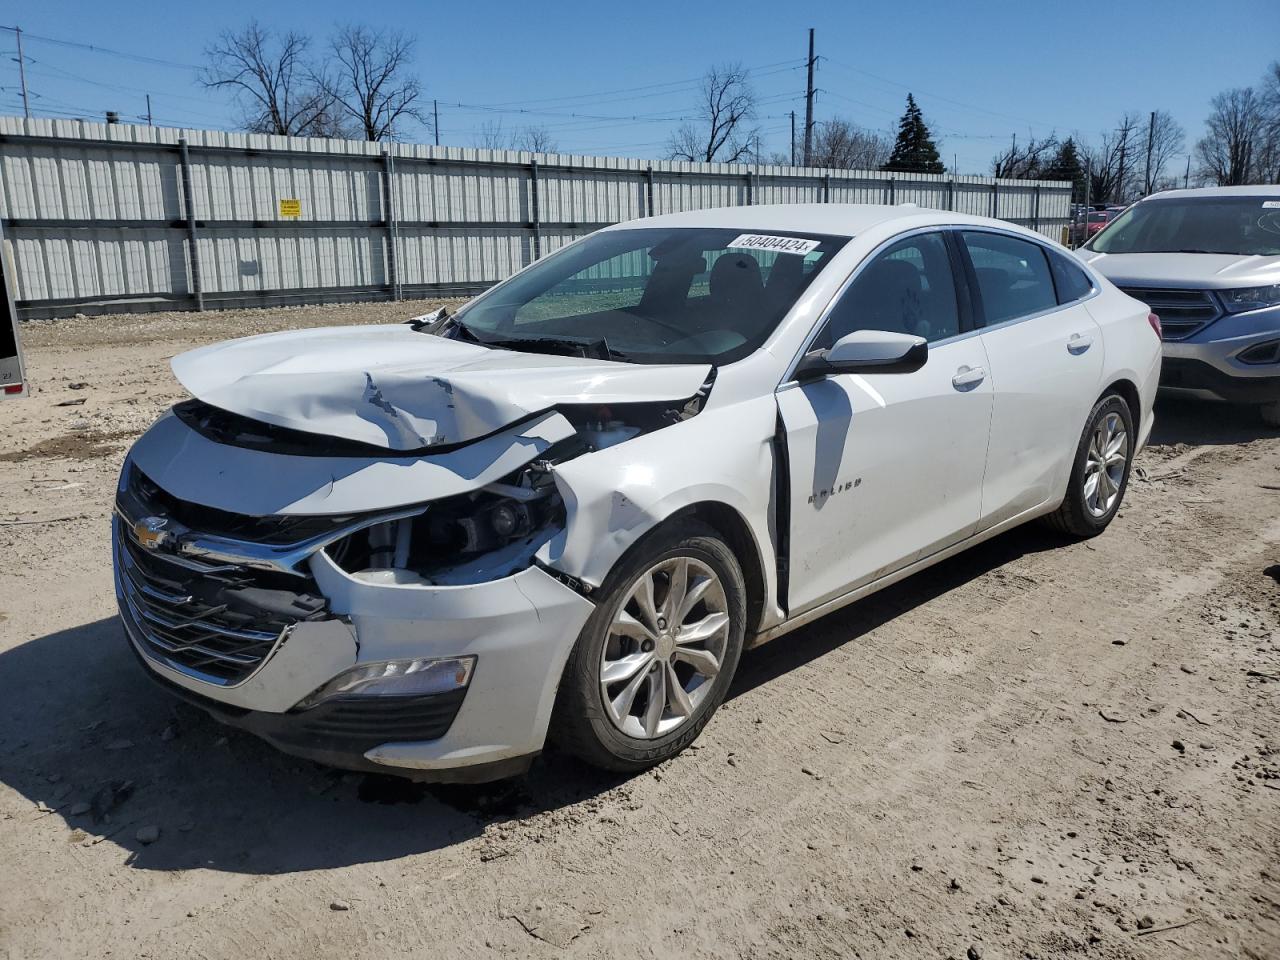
x=907 y=288
x=1013 y=276
x=1071 y=282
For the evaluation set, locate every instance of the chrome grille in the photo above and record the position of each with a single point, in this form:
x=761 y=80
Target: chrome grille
x=176 y=611
x=1182 y=313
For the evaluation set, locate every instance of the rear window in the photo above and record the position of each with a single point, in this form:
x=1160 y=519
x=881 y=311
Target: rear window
x=1013 y=276
x=1069 y=280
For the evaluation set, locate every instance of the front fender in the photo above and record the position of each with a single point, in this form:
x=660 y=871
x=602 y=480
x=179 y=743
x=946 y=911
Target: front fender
x=615 y=496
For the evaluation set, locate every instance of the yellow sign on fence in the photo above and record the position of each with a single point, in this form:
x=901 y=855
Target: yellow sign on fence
x=290 y=208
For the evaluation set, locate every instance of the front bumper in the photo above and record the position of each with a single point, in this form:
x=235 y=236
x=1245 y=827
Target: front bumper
x=520 y=628
x=1200 y=376
x=1208 y=361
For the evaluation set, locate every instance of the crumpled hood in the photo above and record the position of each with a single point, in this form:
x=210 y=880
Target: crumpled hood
x=1210 y=270
x=394 y=387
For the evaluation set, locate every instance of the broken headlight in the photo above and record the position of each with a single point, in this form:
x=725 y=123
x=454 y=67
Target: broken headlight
x=490 y=533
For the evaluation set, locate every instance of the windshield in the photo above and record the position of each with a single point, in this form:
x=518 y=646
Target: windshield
x=1244 y=226
x=657 y=295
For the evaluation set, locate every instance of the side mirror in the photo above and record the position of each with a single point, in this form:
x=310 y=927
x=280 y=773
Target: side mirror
x=866 y=351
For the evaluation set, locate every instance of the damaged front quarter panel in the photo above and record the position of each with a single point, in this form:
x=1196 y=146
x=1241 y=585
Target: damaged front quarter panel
x=614 y=496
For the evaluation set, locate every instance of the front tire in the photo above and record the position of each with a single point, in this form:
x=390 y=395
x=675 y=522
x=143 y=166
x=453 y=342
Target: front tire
x=657 y=655
x=1100 y=473
x=1270 y=413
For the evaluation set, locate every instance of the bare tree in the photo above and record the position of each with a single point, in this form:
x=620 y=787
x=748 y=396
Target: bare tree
x=1163 y=137
x=491 y=135
x=1111 y=164
x=726 y=106
x=369 y=80
x=1235 y=132
x=841 y=144
x=535 y=140
x=271 y=81
x=1268 y=160
x=1028 y=162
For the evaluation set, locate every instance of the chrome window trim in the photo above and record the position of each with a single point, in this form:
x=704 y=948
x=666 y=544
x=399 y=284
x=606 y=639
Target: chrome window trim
x=824 y=316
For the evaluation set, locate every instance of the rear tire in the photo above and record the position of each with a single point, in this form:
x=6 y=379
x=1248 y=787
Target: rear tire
x=1270 y=413
x=642 y=682
x=1100 y=473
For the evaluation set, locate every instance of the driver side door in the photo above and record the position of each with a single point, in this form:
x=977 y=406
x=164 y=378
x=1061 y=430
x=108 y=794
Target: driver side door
x=887 y=468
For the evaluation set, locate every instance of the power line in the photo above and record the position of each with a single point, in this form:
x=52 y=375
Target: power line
x=689 y=82
x=137 y=57
x=935 y=96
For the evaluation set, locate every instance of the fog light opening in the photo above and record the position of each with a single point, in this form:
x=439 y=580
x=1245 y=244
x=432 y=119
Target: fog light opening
x=396 y=678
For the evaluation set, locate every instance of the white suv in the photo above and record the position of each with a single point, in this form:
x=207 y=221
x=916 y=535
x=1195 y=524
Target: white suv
x=1207 y=262
x=566 y=510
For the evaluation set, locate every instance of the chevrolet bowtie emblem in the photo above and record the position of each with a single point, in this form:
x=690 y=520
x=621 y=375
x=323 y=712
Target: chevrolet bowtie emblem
x=150 y=532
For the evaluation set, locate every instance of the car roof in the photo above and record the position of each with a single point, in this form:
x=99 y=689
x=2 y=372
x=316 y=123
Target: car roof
x=836 y=219
x=1252 y=190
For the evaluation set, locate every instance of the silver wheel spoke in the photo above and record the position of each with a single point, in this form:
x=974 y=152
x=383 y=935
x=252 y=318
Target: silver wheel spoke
x=676 y=696
x=625 y=625
x=615 y=671
x=1091 y=490
x=676 y=587
x=657 y=701
x=704 y=661
x=702 y=631
x=644 y=600
x=623 y=702
x=693 y=596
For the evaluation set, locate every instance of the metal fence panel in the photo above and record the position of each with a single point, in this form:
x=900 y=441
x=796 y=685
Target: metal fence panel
x=97 y=221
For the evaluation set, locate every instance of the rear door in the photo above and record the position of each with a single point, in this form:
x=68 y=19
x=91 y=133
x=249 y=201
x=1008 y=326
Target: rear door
x=12 y=383
x=1046 y=360
x=885 y=468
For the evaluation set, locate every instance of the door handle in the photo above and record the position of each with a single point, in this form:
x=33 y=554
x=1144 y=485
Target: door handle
x=967 y=378
x=1077 y=344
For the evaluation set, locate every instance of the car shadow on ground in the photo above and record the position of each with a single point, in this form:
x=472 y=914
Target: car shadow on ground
x=1187 y=420
x=80 y=724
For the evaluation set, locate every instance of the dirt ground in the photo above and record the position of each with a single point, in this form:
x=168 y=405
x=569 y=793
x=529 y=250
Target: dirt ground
x=1032 y=750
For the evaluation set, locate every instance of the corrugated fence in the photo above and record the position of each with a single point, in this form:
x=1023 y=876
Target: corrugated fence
x=105 y=218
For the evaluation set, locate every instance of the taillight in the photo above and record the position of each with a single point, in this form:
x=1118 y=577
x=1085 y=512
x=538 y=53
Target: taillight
x=1155 y=325
x=12 y=388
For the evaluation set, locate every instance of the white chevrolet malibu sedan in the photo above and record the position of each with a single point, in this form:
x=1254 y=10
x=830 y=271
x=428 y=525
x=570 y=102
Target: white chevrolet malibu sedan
x=564 y=511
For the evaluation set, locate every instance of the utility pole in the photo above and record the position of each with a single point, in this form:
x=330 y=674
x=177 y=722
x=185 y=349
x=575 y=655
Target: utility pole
x=1186 y=177
x=793 y=138
x=148 y=109
x=435 y=107
x=22 y=73
x=808 y=108
x=1151 y=134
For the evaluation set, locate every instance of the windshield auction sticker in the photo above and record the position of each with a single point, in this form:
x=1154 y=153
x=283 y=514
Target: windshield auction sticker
x=1266 y=205
x=761 y=241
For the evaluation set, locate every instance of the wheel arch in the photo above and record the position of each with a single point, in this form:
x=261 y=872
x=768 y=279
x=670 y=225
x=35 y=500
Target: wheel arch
x=735 y=531
x=1128 y=391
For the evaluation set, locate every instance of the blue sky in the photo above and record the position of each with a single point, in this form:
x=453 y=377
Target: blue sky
x=981 y=71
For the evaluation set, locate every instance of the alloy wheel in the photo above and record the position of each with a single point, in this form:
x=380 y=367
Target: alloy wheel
x=1105 y=462
x=664 y=648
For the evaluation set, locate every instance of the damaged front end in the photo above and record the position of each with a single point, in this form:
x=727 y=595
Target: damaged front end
x=364 y=607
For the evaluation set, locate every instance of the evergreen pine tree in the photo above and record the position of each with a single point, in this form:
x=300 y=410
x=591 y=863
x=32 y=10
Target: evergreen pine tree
x=914 y=151
x=1066 y=166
